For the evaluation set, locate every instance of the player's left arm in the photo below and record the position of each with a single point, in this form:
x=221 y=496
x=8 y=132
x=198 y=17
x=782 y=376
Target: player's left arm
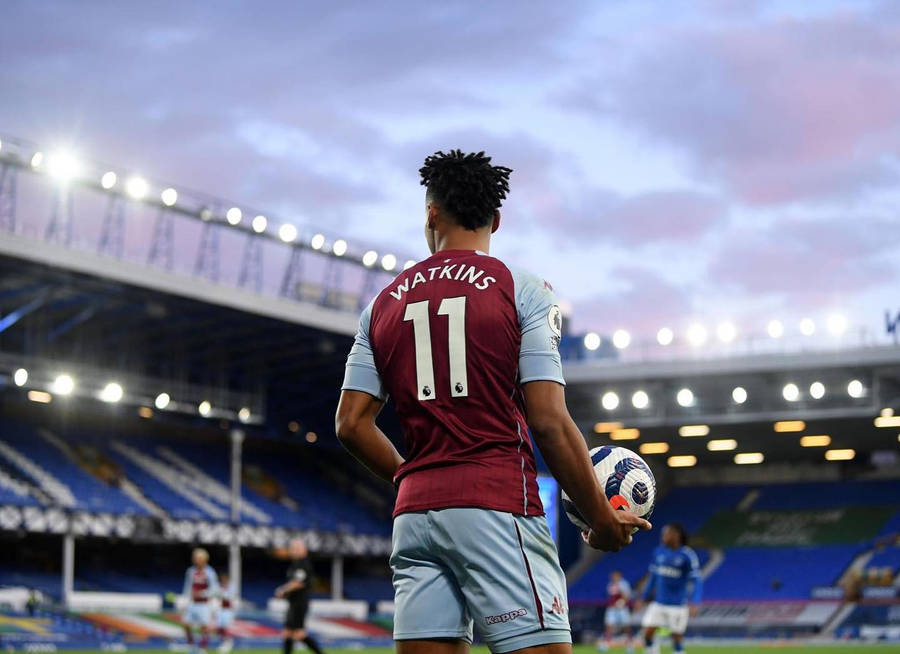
x=214 y=588
x=362 y=398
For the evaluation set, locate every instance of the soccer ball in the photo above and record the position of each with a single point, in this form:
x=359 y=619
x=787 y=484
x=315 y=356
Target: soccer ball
x=627 y=479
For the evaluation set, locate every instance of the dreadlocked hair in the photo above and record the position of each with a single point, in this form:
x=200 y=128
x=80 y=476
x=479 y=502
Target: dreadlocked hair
x=682 y=532
x=466 y=186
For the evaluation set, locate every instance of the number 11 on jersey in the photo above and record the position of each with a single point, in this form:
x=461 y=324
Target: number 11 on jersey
x=455 y=310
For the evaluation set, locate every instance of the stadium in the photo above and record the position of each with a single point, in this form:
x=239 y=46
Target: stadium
x=170 y=367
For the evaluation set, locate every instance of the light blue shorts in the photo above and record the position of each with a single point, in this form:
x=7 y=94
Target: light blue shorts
x=196 y=613
x=617 y=616
x=456 y=570
x=224 y=618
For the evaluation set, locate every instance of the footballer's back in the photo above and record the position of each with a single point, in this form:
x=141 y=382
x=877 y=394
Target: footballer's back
x=447 y=342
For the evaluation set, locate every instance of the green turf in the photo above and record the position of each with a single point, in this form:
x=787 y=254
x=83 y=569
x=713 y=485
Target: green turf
x=773 y=648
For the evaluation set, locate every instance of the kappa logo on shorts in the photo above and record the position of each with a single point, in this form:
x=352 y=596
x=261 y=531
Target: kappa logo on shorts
x=505 y=617
x=557 y=606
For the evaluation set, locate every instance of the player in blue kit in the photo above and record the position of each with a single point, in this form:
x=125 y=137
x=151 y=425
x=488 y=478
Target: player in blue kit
x=675 y=585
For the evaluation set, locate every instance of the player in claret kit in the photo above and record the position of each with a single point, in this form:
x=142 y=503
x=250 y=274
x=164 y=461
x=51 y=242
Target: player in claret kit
x=467 y=347
x=675 y=585
x=617 y=616
x=200 y=585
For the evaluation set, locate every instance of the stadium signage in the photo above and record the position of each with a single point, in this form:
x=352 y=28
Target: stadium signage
x=892 y=325
x=58 y=521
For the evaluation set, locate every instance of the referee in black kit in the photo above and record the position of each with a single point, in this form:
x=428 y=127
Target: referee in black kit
x=296 y=592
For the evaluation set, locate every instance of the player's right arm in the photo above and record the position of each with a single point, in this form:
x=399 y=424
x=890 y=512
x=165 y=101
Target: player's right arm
x=556 y=434
x=362 y=398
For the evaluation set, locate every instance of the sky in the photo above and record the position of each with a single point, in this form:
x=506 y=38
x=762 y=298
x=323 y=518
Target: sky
x=673 y=162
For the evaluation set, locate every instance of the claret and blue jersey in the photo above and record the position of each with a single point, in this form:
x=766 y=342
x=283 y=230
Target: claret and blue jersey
x=450 y=340
x=674 y=577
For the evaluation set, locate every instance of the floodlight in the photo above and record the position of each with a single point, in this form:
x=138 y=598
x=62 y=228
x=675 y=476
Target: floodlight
x=20 y=377
x=369 y=258
x=234 y=215
x=592 y=341
x=169 y=196
x=136 y=187
x=287 y=233
x=610 y=401
x=621 y=339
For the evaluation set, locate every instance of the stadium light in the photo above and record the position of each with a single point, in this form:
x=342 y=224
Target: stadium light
x=726 y=331
x=63 y=384
x=20 y=377
x=112 y=392
x=840 y=455
x=311 y=437
x=42 y=397
x=244 y=414
x=685 y=397
x=234 y=215
x=790 y=392
x=789 y=426
x=145 y=412
x=749 y=458
x=62 y=166
x=204 y=408
x=775 y=329
x=817 y=390
x=621 y=339
x=682 y=461
x=610 y=401
x=136 y=187
x=688 y=431
x=389 y=262
x=108 y=180
x=887 y=421
x=640 y=400
x=607 y=427
x=624 y=434
x=409 y=264
x=36 y=159
x=807 y=327
x=169 y=196
x=259 y=224
x=739 y=395
x=162 y=401
x=317 y=241
x=369 y=258
x=696 y=334
x=287 y=233
x=339 y=248
x=722 y=445
x=822 y=440
x=654 y=448
x=592 y=341
x=855 y=389
x=206 y=214
x=665 y=336
x=836 y=324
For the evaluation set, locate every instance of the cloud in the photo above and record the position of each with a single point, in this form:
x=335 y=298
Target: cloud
x=778 y=110
x=805 y=261
x=639 y=298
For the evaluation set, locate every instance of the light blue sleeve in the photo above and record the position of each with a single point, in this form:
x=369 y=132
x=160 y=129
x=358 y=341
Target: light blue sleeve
x=541 y=323
x=360 y=373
